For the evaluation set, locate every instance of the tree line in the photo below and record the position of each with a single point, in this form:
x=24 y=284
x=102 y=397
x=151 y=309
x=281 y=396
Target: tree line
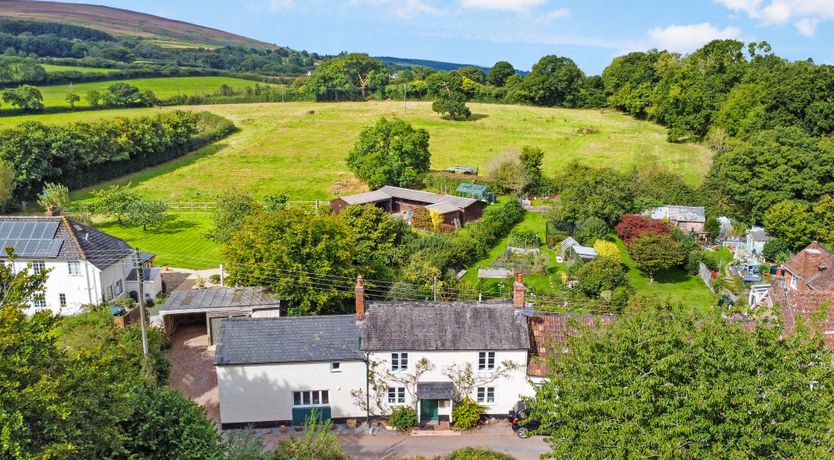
x=81 y=154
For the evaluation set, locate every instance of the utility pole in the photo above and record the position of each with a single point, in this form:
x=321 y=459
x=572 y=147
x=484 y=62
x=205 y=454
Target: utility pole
x=140 y=276
x=222 y=276
x=405 y=96
x=435 y=289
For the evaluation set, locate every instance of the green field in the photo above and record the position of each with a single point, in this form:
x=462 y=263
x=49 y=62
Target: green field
x=179 y=242
x=53 y=96
x=50 y=68
x=282 y=148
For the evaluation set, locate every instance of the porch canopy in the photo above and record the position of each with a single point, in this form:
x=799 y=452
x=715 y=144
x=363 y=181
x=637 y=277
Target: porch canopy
x=435 y=390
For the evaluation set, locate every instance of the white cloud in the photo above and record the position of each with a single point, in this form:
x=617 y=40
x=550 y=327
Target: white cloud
x=551 y=16
x=403 y=8
x=805 y=14
x=518 y=6
x=278 y=5
x=806 y=27
x=689 y=37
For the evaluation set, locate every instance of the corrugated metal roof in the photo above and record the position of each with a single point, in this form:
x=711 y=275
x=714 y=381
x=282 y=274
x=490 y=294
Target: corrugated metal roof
x=443 y=207
x=367 y=197
x=213 y=298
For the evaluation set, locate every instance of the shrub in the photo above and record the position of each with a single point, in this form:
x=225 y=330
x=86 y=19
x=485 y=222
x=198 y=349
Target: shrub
x=54 y=195
x=477 y=453
x=317 y=443
x=608 y=249
x=214 y=279
x=466 y=414
x=635 y=225
x=403 y=418
x=591 y=229
x=598 y=275
x=524 y=238
x=421 y=218
x=776 y=250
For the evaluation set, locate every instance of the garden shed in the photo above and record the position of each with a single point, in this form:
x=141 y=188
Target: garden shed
x=479 y=192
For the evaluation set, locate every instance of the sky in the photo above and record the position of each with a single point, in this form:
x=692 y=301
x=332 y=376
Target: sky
x=481 y=32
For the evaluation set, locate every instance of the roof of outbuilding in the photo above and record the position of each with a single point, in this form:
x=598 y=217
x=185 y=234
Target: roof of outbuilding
x=425 y=326
x=288 y=340
x=211 y=298
x=78 y=241
x=678 y=213
x=388 y=192
x=443 y=207
x=148 y=274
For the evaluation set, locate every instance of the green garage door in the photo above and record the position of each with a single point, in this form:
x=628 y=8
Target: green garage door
x=301 y=414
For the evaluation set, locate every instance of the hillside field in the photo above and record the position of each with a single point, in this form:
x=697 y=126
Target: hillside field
x=52 y=68
x=53 y=96
x=282 y=148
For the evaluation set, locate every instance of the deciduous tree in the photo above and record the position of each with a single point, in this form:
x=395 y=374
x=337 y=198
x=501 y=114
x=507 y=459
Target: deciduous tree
x=654 y=252
x=392 y=152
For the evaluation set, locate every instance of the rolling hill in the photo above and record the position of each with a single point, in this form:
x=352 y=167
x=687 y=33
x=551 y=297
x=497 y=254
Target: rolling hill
x=121 y=22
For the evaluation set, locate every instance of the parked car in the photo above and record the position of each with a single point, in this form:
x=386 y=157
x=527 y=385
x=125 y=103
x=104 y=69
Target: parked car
x=522 y=421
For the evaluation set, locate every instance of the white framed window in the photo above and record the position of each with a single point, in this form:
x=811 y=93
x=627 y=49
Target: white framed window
x=74 y=268
x=396 y=395
x=485 y=395
x=335 y=367
x=119 y=288
x=62 y=299
x=310 y=398
x=486 y=361
x=38 y=266
x=399 y=362
x=39 y=302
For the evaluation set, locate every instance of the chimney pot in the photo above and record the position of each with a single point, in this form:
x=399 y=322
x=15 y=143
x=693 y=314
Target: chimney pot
x=518 y=292
x=360 y=299
x=52 y=211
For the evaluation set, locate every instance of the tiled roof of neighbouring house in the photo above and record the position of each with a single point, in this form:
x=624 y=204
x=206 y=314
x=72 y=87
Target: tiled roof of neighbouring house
x=199 y=299
x=425 y=326
x=61 y=238
x=550 y=331
x=288 y=340
x=814 y=265
x=796 y=305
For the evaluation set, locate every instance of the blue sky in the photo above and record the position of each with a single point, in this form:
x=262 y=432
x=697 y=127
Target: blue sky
x=591 y=32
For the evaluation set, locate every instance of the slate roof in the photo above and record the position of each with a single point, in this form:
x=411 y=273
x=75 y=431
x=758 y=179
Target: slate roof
x=549 y=332
x=429 y=326
x=80 y=242
x=435 y=390
x=389 y=192
x=213 y=298
x=678 y=213
x=288 y=340
x=814 y=265
x=148 y=274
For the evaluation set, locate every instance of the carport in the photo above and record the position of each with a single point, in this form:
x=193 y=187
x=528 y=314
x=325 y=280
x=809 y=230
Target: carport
x=210 y=306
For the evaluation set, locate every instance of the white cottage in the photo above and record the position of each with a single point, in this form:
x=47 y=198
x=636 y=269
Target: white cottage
x=278 y=370
x=86 y=266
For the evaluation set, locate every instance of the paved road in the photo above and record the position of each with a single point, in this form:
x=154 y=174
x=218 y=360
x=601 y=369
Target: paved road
x=391 y=447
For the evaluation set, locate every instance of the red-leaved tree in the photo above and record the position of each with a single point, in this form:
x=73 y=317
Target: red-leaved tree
x=634 y=225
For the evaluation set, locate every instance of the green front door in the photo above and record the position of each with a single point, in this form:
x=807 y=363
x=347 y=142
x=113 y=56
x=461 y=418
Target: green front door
x=428 y=410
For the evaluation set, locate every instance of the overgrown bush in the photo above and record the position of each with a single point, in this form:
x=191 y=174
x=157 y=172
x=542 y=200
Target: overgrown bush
x=403 y=418
x=598 y=275
x=591 y=229
x=318 y=443
x=466 y=414
x=776 y=250
x=477 y=453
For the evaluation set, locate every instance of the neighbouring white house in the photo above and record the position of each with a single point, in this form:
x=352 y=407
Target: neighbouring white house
x=86 y=266
x=278 y=370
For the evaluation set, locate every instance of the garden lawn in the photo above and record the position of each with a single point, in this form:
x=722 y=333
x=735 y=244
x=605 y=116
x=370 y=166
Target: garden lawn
x=675 y=285
x=179 y=242
x=54 y=96
x=52 y=68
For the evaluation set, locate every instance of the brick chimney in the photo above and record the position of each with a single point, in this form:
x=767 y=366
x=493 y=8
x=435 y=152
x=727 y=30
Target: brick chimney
x=360 y=299
x=52 y=211
x=518 y=293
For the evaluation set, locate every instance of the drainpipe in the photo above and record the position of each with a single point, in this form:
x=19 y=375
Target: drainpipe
x=367 y=386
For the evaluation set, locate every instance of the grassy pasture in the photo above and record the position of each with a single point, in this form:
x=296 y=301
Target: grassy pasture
x=282 y=148
x=53 y=95
x=51 y=68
